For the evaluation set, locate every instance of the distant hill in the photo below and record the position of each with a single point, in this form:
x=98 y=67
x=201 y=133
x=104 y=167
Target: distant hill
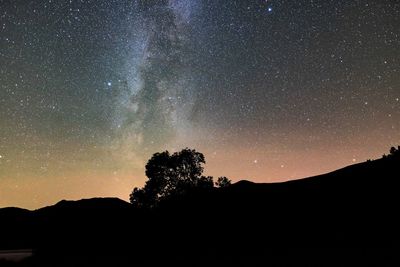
x=319 y=220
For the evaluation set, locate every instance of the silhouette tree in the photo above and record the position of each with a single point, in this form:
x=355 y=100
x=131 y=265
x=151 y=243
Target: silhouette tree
x=223 y=182
x=394 y=153
x=171 y=175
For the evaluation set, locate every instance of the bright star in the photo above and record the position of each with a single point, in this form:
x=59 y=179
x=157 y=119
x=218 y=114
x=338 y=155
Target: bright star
x=270 y=9
x=109 y=83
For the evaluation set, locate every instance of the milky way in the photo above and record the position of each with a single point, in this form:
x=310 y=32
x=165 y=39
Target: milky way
x=157 y=105
x=267 y=90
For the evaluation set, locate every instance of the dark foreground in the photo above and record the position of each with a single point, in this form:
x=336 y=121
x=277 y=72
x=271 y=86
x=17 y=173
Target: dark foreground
x=344 y=218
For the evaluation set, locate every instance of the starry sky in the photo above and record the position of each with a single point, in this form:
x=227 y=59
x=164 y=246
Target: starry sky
x=268 y=90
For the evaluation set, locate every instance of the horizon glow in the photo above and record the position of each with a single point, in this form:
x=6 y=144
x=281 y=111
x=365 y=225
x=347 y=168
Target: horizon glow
x=89 y=91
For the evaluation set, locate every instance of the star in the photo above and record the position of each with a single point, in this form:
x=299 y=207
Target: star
x=127 y=86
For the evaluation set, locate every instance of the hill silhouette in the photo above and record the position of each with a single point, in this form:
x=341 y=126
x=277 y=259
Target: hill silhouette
x=347 y=217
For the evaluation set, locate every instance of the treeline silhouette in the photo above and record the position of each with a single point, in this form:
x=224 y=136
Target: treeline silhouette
x=344 y=218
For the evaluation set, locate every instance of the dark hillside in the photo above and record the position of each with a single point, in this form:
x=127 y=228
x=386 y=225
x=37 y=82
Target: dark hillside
x=349 y=211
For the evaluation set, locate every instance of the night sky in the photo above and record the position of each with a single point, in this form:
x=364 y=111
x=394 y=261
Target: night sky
x=267 y=90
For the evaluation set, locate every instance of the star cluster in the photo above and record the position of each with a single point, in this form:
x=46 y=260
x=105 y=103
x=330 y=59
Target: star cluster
x=267 y=90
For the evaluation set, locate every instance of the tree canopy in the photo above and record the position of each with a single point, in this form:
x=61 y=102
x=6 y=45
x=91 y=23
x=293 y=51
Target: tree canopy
x=394 y=153
x=171 y=175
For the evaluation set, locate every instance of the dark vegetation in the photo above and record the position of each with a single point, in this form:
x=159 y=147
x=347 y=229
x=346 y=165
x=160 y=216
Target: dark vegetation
x=172 y=176
x=348 y=217
x=394 y=153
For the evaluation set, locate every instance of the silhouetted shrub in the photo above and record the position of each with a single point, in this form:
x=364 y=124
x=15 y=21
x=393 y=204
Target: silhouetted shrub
x=394 y=153
x=223 y=182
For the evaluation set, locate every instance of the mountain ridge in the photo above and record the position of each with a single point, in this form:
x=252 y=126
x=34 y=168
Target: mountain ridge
x=352 y=207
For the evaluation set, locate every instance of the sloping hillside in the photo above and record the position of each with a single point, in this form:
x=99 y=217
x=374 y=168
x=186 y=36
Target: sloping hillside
x=354 y=207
